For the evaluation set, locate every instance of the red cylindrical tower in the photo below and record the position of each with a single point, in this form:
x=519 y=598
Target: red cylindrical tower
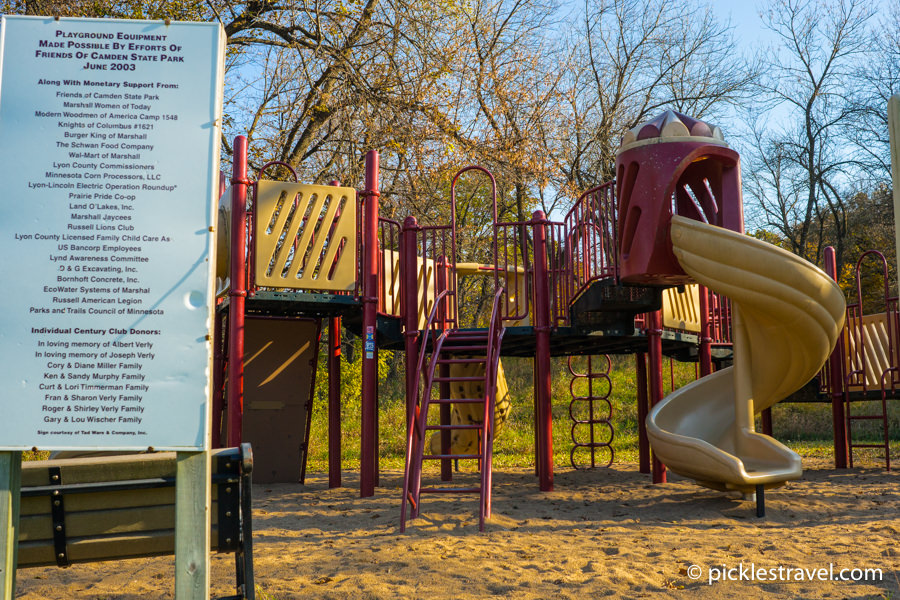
x=673 y=164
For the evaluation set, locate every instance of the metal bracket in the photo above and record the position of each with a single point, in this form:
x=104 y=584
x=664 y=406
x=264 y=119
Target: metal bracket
x=229 y=527
x=58 y=518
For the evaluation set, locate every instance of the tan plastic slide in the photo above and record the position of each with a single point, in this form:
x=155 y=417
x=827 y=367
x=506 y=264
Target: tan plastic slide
x=787 y=314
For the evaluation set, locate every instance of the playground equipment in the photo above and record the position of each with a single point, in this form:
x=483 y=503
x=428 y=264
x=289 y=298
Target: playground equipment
x=864 y=365
x=787 y=315
x=557 y=288
x=604 y=280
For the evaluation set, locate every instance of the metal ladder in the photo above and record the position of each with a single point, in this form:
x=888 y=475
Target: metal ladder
x=590 y=407
x=874 y=353
x=884 y=445
x=452 y=347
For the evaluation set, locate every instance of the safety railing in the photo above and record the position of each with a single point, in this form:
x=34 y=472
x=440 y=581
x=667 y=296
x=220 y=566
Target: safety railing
x=435 y=273
x=590 y=238
x=559 y=269
x=871 y=338
x=514 y=254
x=719 y=318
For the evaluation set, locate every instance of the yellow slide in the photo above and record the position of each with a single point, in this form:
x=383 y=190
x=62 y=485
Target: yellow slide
x=787 y=314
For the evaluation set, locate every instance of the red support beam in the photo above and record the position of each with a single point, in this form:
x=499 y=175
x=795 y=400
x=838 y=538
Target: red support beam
x=334 y=403
x=643 y=408
x=705 y=350
x=442 y=268
x=836 y=382
x=765 y=421
x=368 y=475
x=237 y=293
x=409 y=308
x=654 y=340
x=543 y=383
x=334 y=396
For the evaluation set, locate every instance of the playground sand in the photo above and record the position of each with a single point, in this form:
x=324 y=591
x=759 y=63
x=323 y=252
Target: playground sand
x=607 y=533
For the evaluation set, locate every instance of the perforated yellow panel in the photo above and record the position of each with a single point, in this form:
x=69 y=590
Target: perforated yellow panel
x=424 y=282
x=681 y=310
x=305 y=236
x=875 y=345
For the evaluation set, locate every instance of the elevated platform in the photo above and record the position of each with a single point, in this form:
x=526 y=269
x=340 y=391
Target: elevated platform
x=602 y=323
x=298 y=304
x=570 y=341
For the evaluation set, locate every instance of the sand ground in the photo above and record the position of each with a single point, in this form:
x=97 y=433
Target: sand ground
x=607 y=533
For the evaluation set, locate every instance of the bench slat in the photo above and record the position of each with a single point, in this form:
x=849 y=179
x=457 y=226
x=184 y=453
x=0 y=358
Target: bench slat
x=100 y=501
x=149 y=543
x=105 y=468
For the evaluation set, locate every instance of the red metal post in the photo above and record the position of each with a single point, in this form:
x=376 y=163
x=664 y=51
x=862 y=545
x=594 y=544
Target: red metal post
x=369 y=419
x=654 y=341
x=543 y=384
x=237 y=293
x=836 y=381
x=705 y=350
x=443 y=277
x=334 y=396
x=334 y=403
x=643 y=407
x=765 y=421
x=537 y=419
x=410 y=310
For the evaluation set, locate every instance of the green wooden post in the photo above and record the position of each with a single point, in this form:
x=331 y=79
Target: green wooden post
x=10 y=482
x=894 y=129
x=192 y=528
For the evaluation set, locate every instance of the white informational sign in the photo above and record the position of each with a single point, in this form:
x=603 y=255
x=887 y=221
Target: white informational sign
x=109 y=137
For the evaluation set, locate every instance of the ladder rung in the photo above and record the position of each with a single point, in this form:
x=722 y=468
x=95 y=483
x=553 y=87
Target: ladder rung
x=455 y=400
x=469 y=348
x=450 y=490
x=865 y=417
x=460 y=361
x=450 y=456
x=867 y=446
x=451 y=427
x=459 y=379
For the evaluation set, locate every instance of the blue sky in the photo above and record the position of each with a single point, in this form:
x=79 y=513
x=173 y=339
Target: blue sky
x=745 y=17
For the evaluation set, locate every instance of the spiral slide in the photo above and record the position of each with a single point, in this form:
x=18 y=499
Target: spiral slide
x=787 y=314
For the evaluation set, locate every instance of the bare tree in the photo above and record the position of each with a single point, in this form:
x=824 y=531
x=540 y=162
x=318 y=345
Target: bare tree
x=801 y=171
x=631 y=59
x=880 y=79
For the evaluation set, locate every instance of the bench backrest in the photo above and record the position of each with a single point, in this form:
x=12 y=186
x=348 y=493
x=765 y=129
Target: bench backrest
x=112 y=507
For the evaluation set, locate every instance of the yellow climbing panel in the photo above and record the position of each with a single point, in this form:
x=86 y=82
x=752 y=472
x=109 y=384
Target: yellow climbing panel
x=305 y=236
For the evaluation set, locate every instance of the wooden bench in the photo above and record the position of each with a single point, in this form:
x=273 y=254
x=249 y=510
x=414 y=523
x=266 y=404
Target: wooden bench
x=94 y=509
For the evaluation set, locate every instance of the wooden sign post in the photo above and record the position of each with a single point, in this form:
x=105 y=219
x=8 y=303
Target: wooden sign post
x=109 y=155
